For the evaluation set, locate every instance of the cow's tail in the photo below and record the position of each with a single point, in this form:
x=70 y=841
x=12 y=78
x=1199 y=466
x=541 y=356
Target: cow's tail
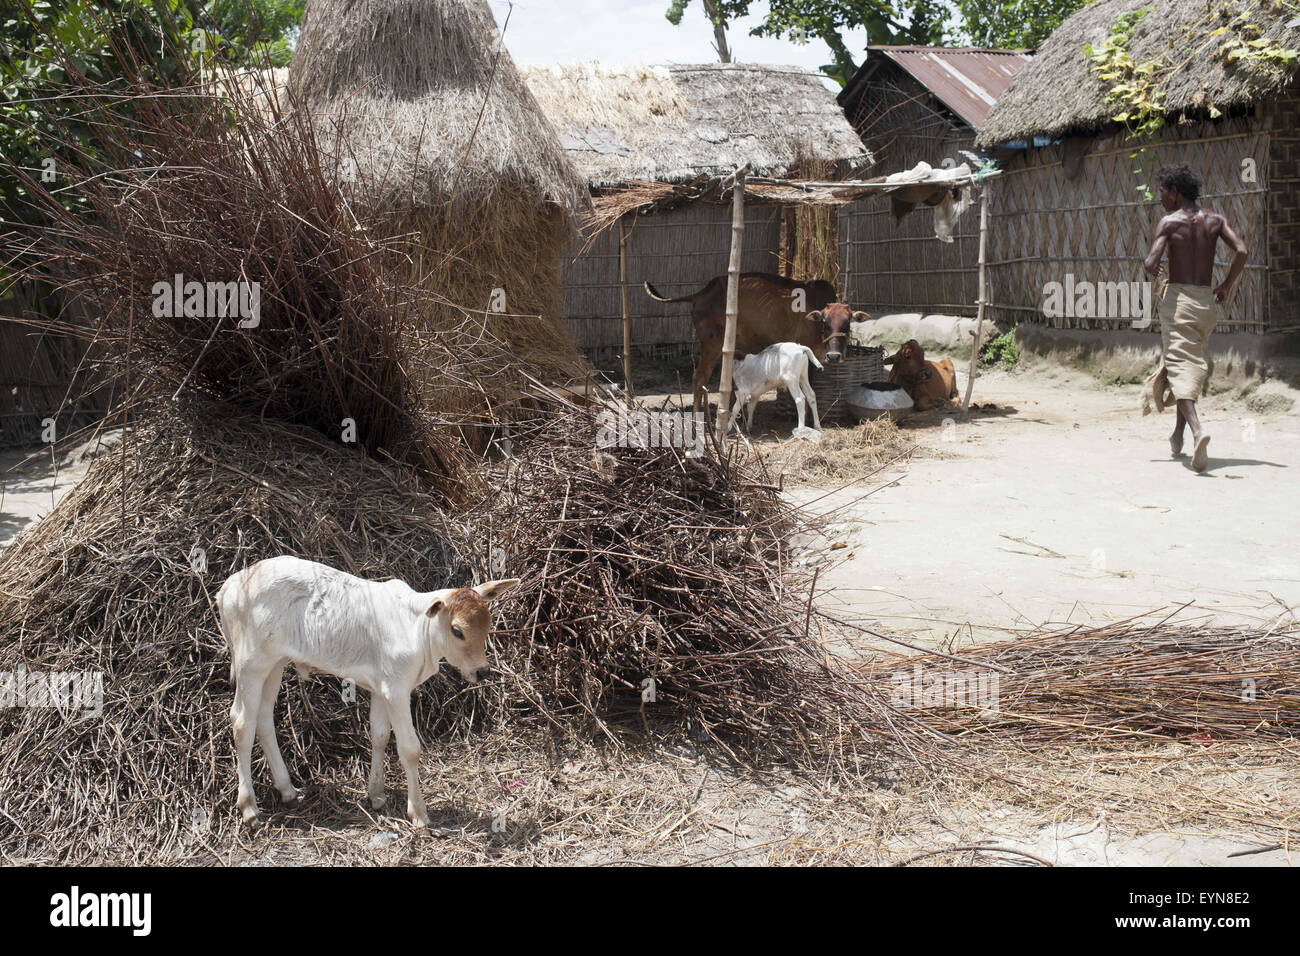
x=812 y=356
x=654 y=294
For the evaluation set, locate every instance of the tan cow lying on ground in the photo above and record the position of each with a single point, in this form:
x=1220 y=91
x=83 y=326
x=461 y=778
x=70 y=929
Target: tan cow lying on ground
x=929 y=384
x=771 y=309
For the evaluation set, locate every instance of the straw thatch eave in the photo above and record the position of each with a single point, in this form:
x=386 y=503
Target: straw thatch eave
x=419 y=103
x=1058 y=93
x=631 y=125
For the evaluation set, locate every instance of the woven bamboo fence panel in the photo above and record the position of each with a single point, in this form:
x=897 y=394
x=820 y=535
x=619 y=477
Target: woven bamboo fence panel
x=903 y=267
x=678 y=252
x=39 y=377
x=1096 y=227
x=1284 y=215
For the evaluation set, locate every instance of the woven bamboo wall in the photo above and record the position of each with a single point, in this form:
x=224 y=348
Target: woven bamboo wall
x=888 y=267
x=678 y=252
x=38 y=376
x=1043 y=225
x=1284 y=213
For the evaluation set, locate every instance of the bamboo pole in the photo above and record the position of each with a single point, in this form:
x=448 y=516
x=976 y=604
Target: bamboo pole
x=979 y=321
x=733 y=303
x=627 y=312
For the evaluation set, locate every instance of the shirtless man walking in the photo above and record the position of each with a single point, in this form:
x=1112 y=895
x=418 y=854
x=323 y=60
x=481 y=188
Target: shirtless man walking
x=1188 y=307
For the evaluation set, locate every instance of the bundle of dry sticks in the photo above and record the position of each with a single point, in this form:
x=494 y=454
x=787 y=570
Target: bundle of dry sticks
x=1107 y=683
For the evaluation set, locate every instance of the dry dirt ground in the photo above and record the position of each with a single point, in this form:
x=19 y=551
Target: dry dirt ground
x=1060 y=504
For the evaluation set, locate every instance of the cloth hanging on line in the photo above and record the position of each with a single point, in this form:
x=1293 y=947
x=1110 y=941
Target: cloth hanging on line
x=925 y=185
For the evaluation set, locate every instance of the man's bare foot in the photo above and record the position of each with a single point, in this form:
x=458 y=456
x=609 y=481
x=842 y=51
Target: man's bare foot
x=1176 y=445
x=1201 y=457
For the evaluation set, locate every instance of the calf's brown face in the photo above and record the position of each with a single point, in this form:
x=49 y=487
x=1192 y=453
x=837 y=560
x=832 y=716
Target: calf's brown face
x=833 y=324
x=910 y=357
x=468 y=621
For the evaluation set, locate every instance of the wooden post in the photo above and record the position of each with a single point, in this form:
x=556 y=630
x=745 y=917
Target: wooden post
x=979 y=321
x=733 y=303
x=627 y=316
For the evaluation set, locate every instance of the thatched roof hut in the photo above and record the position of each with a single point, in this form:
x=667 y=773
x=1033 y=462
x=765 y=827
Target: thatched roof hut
x=677 y=124
x=1059 y=92
x=426 y=121
x=657 y=146
x=1075 y=199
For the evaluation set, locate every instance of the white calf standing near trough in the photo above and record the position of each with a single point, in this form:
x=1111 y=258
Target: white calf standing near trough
x=783 y=364
x=386 y=637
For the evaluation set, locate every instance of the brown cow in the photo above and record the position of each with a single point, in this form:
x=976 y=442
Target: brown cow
x=928 y=383
x=767 y=314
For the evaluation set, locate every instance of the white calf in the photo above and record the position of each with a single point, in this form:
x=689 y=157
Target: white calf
x=783 y=364
x=384 y=636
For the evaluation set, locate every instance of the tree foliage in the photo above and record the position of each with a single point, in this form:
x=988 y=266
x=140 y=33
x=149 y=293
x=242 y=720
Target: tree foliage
x=999 y=24
x=49 y=44
x=1012 y=24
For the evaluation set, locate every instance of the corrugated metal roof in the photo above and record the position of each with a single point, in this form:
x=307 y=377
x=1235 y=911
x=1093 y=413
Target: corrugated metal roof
x=967 y=80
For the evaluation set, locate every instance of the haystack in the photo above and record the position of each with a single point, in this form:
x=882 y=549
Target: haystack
x=431 y=131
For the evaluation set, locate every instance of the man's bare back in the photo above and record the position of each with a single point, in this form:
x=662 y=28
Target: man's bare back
x=1190 y=235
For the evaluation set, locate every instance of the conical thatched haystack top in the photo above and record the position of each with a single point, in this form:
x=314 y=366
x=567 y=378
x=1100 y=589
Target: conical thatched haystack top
x=426 y=123
x=423 y=99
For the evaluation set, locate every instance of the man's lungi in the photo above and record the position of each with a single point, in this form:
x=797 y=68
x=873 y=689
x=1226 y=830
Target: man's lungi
x=1187 y=317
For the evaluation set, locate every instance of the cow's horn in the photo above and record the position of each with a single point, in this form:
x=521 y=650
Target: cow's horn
x=815 y=316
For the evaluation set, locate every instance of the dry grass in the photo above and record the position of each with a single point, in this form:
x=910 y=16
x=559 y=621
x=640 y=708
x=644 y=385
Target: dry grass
x=423 y=98
x=655 y=566
x=843 y=456
x=1184 y=46
x=682 y=122
x=226 y=187
x=1124 y=681
x=491 y=271
x=642 y=564
x=449 y=163
x=505 y=799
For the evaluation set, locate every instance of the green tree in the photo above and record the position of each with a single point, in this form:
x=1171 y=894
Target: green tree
x=256 y=31
x=1012 y=24
x=46 y=39
x=716 y=17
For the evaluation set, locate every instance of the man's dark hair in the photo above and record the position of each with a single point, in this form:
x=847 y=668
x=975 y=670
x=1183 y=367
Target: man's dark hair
x=1182 y=178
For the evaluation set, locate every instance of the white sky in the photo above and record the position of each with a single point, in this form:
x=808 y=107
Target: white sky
x=636 y=31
